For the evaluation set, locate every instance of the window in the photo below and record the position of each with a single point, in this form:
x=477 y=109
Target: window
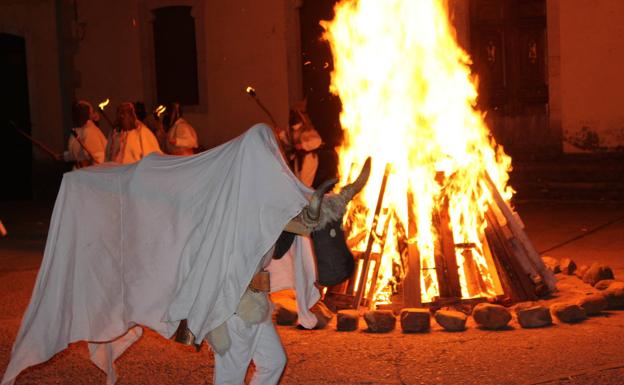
x=175 y=56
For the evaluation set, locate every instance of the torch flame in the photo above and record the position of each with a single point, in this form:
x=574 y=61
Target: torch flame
x=408 y=100
x=160 y=110
x=251 y=91
x=104 y=104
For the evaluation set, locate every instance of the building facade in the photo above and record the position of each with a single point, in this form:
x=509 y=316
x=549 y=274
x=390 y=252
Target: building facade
x=550 y=69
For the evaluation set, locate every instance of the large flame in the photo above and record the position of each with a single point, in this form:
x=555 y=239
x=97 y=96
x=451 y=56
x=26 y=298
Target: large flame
x=408 y=101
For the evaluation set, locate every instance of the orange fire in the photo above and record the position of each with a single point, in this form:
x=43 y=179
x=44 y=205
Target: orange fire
x=408 y=100
x=104 y=104
x=160 y=110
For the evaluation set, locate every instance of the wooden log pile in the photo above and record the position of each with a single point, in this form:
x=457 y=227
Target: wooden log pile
x=520 y=274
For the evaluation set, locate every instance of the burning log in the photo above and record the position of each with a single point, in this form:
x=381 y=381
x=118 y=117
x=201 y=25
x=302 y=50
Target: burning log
x=445 y=259
x=411 y=284
x=474 y=278
x=382 y=244
x=516 y=229
x=449 y=254
x=366 y=259
x=519 y=287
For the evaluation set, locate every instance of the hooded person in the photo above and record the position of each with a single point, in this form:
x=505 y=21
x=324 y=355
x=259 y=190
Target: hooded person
x=86 y=145
x=181 y=136
x=131 y=140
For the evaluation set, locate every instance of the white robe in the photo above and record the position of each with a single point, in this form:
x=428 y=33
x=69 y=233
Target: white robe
x=92 y=138
x=183 y=136
x=158 y=241
x=130 y=146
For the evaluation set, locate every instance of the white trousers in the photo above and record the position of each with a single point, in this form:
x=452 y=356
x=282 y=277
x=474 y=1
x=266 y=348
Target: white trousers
x=259 y=343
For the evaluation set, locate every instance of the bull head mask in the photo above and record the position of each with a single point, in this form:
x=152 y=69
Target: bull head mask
x=322 y=219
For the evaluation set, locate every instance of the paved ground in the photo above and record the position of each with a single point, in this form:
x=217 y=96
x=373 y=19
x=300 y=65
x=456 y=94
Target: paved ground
x=591 y=352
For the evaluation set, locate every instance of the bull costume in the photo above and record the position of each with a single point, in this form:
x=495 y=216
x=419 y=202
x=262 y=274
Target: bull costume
x=155 y=253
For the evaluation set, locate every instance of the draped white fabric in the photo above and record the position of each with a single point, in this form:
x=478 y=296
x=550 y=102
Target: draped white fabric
x=154 y=242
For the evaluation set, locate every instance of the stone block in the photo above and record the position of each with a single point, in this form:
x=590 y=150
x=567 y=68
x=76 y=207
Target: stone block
x=614 y=295
x=415 y=320
x=552 y=264
x=491 y=316
x=380 y=321
x=597 y=273
x=347 y=320
x=451 y=320
x=593 y=304
x=285 y=315
x=535 y=316
x=581 y=271
x=568 y=312
x=604 y=284
x=322 y=313
x=567 y=266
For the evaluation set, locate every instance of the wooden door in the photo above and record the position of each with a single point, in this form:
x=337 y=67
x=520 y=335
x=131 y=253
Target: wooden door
x=508 y=45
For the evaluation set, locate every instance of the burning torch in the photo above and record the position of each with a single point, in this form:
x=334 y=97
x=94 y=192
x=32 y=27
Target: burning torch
x=252 y=92
x=101 y=107
x=160 y=110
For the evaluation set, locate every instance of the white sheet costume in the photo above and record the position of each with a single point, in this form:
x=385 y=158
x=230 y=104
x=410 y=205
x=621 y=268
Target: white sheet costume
x=130 y=146
x=181 y=138
x=92 y=138
x=167 y=238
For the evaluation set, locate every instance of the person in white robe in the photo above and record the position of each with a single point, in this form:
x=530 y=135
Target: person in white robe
x=301 y=142
x=181 y=136
x=87 y=145
x=131 y=140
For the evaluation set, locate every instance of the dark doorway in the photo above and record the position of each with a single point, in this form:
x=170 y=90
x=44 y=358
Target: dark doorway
x=15 y=150
x=508 y=45
x=323 y=107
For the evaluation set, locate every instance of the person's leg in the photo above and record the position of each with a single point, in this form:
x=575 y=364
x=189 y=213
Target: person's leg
x=268 y=355
x=231 y=367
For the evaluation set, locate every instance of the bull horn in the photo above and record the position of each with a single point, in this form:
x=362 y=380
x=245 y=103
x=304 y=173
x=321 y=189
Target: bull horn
x=313 y=211
x=349 y=191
